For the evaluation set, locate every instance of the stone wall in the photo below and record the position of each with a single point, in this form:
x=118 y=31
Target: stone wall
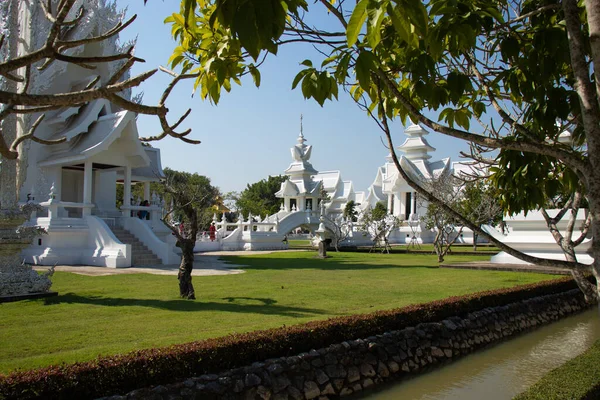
x=352 y=366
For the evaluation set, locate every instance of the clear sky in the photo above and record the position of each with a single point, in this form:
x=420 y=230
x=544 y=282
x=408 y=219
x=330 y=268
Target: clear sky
x=247 y=136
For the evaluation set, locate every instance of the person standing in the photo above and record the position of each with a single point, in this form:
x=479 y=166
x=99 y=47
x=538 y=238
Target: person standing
x=211 y=231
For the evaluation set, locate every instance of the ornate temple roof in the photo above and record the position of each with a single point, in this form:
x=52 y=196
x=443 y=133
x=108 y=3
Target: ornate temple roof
x=415 y=147
x=100 y=137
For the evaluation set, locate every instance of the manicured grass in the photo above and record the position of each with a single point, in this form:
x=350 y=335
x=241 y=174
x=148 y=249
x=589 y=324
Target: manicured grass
x=299 y=243
x=577 y=379
x=115 y=314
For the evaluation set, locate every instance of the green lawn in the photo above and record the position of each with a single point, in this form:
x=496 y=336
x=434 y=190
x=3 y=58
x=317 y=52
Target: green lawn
x=114 y=314
x=299 y=243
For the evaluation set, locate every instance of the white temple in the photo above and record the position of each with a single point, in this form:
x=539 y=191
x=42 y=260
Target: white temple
x=305 y=186
x=76 y=181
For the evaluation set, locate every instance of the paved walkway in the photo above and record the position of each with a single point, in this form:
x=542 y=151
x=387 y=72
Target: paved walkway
x=205 y=264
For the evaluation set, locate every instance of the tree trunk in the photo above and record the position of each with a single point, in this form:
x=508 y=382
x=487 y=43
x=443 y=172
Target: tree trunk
x=186 y=289
x=475 y=235
x=594 y=204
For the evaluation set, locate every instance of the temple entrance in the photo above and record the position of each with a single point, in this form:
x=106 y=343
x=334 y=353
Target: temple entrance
x=408 y=207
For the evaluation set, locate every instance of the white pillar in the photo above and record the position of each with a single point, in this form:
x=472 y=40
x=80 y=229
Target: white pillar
x=390 y=205
x=146 y=191
x=87 y=186
x=127 y=191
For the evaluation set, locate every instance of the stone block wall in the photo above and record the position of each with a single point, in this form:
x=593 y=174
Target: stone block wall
x=352 y=366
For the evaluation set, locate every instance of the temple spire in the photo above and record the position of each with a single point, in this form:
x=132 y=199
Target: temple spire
x=301 y=139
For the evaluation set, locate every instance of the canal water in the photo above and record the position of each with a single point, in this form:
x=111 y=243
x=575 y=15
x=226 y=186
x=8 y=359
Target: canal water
x=502 y=371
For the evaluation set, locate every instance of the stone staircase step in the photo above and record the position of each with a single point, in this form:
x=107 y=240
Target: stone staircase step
x=140 y=254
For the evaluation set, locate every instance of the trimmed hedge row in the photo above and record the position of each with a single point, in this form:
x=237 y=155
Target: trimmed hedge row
x=123 y=373
x=577 y=379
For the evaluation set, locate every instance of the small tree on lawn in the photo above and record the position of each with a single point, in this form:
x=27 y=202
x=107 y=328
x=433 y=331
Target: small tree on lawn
x=447 y=228
x=378 y=224
x=480 y=203
x=185 y=197
x=340 y=229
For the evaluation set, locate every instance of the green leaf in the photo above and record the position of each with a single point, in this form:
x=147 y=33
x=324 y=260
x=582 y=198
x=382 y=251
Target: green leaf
x=417 y=13
x=374 y=26
x=329 y=60
x=401 y=26
x=341 y=70
x=299 y=77
x=255 y=74
x=364 y=64
x=462 y=118
x=308 y=85
x=357 y=20
x=244 y=22
x=494 y=12
x=189 y=6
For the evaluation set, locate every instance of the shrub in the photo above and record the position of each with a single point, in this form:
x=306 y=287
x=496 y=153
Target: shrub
x=123 y=373
x=577 y=379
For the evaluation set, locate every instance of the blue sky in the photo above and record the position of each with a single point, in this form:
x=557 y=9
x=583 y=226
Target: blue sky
x=247 y=136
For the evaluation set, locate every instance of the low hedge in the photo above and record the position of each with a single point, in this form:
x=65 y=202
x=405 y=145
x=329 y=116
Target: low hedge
x=577 y=379
x=123 y=373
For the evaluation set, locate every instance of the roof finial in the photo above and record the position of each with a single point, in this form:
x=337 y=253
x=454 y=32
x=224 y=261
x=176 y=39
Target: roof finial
x=301 y=139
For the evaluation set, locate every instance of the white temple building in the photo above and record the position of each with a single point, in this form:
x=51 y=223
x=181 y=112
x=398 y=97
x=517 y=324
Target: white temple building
x=76 y=181
x=305 y=186
x=401 y=200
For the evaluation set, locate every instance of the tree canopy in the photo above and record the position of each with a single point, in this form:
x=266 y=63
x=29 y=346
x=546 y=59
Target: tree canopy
x=259 y=198
x=203 y=198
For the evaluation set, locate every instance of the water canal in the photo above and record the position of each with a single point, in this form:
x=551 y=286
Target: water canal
x=502 y=371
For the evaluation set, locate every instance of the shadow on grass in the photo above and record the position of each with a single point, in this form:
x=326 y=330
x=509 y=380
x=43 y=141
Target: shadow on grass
x=264 y=306
x=329 y=264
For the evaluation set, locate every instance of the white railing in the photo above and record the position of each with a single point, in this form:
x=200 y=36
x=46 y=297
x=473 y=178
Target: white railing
x=247 y=226
x=208 y=236
x=152 y=213
x=81 y=209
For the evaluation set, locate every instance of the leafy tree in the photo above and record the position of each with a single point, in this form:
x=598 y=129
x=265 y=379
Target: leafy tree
x=201 y=203
x=204 y=207
x=378 y=224
x=447 y=228
x=350 y=212
x=259 y=198
x=183 y=195
x=189 y=198
x=480 y=203
x=514 y=66
x=339 y=227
